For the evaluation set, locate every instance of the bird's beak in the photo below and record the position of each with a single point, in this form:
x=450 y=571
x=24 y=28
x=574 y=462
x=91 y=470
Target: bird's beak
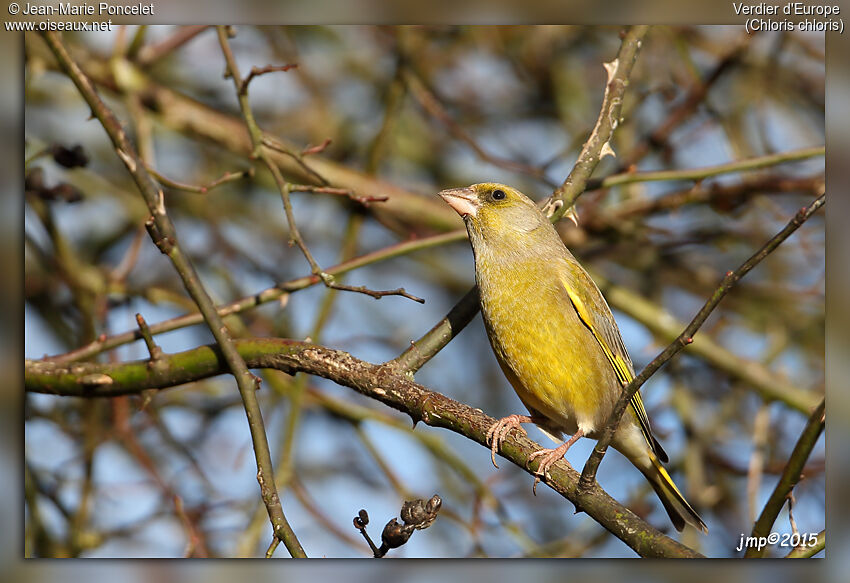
x=463 y=200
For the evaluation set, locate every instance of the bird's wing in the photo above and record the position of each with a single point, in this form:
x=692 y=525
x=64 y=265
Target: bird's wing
x=608 y=336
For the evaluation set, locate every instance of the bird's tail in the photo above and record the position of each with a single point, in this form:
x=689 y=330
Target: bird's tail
x=677 y=507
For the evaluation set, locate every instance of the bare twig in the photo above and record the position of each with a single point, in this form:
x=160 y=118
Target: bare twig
x=809 y=549
x=716 y=195
x=682 y=112
x=310 y=150
x=707 y=171
x=257 y=71
x=768 y=384
x=189 y=116
x=364 y=200
x=415 y=514
x=377 y=294
x=434 y=108
x=196 y=545
x=686 y=337
x=203 y=189
x=150 y=54
x=122 y=270
x=422 y=350
x=154 y=351
x=277 y=146
x=318 y=513
x=599 y=142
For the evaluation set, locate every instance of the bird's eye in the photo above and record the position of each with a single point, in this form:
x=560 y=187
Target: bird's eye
x=499 y=195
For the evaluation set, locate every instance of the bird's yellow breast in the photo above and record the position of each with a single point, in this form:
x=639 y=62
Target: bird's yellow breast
x=550 y=357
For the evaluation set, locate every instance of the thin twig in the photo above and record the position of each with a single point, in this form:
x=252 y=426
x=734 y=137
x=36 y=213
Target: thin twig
x=364 y=200
x=293 y=390
x=298 y=157
x=599 y=142
x=770 y=385
x=122 y=270
x=203 y=189
x=377 y=294
x=716 y=195
x=150 y=54
x=682 y=112
x=422 y=350
x=302 y=493
x=432 y=442
x=183 y=114
x=432 y=106
x=588 y=475
x=810 y=548
x=154 y=351
x=257 y=71
x=310 y=150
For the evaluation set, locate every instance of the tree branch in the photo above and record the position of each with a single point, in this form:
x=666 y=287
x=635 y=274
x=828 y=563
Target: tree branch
x=707 y=171
x=380 y=382
x=165 y=237
x=599 y=142
x=809 y=550
x=149 y=54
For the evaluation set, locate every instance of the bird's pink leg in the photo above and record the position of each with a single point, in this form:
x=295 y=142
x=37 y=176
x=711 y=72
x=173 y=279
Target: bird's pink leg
x=499 y=431
x=550 y=456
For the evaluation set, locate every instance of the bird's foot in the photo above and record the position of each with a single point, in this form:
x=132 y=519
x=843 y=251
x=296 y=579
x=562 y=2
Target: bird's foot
x=549 y=457
x=499 y=431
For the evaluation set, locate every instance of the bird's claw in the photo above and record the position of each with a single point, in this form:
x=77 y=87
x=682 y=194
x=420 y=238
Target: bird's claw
x=499 y=431
x=549 y=457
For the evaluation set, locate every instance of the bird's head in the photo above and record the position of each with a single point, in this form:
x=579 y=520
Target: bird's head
x=494 y=211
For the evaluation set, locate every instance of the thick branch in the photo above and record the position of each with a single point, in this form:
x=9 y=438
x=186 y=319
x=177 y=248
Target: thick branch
x=380 y=382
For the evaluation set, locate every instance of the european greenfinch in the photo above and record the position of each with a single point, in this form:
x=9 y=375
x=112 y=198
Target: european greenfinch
x=555 y=338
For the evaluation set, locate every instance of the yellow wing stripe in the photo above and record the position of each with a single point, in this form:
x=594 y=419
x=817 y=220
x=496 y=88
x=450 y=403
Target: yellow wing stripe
x=624 y=375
